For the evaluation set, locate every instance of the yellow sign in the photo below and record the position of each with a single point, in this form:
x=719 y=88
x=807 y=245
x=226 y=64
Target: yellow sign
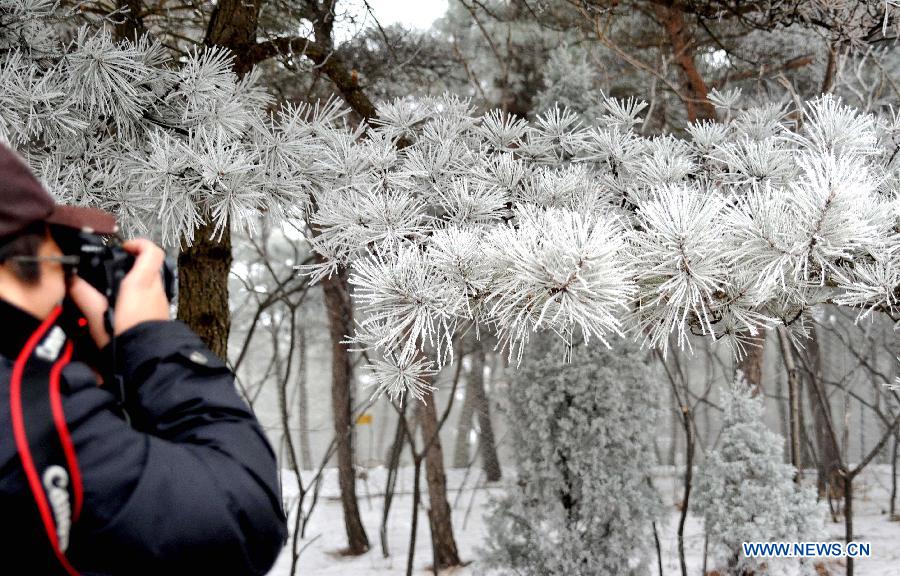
x=364 y=419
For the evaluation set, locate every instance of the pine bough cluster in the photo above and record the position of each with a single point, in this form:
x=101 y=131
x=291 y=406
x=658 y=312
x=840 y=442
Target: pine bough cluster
x=449 y=219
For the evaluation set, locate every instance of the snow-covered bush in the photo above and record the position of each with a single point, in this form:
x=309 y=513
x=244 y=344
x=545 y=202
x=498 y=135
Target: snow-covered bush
x=745 y=492
x=583 y=503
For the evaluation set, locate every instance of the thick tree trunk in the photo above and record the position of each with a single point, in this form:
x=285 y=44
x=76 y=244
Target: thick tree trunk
x=233 y=24
x=490 y=463
x=203 y=270
x=203 y=267
x=439 y=517
x=340 y=322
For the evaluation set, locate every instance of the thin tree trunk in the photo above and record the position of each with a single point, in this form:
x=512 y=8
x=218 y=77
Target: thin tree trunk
x=683 y=50
x=674 y=425
x=893 y=515
x=688 y=484
x=848 y=518
x=414 y=523
x=340 y=323
x=303 y=415
x=828 y=478
x=439 y=516
x=391 y=484
x=787 y=354
x=490 y=463
x=752 y=363
x=463 y=427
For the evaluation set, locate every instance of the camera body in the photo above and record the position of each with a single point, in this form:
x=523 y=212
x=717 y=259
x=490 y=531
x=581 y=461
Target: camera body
x=103 y=263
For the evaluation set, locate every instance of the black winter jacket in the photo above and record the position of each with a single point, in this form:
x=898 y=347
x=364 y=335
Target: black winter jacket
x=188 y=486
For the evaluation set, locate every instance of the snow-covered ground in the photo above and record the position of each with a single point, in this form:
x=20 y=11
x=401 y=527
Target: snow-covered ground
x=469 y=497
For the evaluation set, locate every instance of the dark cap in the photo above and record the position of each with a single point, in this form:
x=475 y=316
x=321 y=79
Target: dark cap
x=23 y=201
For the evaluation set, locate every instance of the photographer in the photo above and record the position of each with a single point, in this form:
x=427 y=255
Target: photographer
x=143 y=460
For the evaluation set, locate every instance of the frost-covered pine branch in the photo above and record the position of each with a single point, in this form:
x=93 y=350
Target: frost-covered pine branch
x=569 y=223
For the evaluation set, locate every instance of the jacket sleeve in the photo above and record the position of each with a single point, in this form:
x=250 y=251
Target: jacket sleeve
x=192 y=482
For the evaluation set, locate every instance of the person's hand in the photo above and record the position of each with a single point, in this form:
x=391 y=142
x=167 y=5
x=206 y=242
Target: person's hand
x=93 y=306
x=142 y=296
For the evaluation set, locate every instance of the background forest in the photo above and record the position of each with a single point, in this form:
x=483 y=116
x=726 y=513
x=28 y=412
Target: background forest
x=406 y=235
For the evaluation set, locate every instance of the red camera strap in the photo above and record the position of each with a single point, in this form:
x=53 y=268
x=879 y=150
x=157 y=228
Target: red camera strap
x=42 y=438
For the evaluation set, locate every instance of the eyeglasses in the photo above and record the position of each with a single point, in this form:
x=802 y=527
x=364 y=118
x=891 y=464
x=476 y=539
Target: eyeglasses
x=68 y=262
x=65 y=260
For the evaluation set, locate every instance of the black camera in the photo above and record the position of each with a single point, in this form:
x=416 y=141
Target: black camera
x=103 y=263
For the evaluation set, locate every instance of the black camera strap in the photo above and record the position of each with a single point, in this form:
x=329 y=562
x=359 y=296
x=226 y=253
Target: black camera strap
x=42 y=438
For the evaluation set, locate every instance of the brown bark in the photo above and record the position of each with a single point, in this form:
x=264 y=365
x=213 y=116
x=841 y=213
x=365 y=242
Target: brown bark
x=683 y=49
x=233 y=24
x=329 y=63
x=340 y=323
x=203 y=267
x=752 y=362
x=439 y=517
x=203 y=271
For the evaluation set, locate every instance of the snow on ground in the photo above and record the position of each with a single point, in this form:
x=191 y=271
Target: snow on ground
x=469 y=497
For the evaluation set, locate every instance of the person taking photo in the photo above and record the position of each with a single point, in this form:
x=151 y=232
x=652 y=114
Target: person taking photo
x=124 y=447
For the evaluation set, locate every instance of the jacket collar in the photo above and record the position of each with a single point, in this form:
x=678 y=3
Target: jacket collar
x=16 y=326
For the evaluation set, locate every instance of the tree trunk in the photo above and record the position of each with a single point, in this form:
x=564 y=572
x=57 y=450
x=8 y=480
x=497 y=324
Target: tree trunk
x=203 y=267
x=893 y=514
x=463 y=427
x=340 y=323
x=203 y=270
x=751 y=364
x=130 y=24
x=233 y=24
x=439 y=517
x=828 y=478
x=683 y=48
x=793 y=374
x=302 y=385
x=847 y=485
x=490 y=463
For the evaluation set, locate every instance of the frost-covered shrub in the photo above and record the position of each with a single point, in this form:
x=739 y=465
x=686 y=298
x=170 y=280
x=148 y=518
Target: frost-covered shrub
x=569 y=83
x=746 y=492
x=582 y=504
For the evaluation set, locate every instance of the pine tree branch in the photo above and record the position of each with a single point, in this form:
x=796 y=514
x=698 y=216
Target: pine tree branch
x=329 y=62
